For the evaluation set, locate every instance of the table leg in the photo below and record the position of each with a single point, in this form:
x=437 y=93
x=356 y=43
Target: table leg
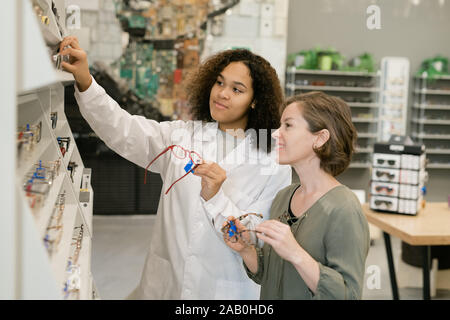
x=387 y=242
x=426 y=272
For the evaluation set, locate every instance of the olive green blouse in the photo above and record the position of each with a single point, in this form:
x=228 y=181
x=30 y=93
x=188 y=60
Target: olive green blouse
x=335 y=232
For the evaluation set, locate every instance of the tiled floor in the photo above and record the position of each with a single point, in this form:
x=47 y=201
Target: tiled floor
x=120 y=245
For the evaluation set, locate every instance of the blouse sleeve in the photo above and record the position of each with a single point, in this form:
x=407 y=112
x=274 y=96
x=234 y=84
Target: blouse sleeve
x=346 y=243
x=258 y=276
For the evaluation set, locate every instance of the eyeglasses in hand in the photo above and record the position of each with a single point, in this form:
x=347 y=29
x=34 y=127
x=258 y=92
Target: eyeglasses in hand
x=180 y=153
x=232 y=234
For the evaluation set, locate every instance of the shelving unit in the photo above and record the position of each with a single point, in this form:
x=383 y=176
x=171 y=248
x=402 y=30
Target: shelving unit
x=33 y=108
x=46 y=214
x=361 y=90
x=430 y=119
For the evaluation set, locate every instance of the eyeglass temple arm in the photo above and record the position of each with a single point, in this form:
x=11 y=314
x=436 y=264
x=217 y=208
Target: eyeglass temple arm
x=192 y=169
x=160 y=154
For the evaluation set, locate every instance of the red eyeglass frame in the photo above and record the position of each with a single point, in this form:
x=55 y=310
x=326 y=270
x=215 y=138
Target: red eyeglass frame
x=186 y=152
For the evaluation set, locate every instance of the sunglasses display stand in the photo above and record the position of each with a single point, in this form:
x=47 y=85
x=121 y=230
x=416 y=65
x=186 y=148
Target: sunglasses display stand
x=398 y=176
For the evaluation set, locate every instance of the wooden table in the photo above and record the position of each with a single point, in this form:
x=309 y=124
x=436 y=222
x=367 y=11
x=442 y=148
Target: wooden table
x=431 y=226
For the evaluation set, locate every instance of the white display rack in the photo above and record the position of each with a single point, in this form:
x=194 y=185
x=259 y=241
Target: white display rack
x=430 y=119
x=33 y=108
x=361 y=91
x=394 y=97
x=33 y=272
x=431 y=106
x=330 y=88
x=293 y=70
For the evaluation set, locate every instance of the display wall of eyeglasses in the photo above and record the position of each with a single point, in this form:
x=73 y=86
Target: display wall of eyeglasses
x=361 y=92
x=398 y=178
x=49 y=172
x=430 y=119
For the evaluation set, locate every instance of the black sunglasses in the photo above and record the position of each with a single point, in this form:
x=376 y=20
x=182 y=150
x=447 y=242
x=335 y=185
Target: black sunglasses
x=385 y=173
x=390 y=162
x=380 y=188
x=380 y=202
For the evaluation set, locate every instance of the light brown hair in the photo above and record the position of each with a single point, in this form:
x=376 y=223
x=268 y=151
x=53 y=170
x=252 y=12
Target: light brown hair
x=322 y=111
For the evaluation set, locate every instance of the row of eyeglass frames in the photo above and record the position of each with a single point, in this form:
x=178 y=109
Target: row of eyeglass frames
x=52 y=239
x=72 y=285
x=39 y=180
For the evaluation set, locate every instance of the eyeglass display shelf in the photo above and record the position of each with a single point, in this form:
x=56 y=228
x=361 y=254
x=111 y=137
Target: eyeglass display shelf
x=60 y=257
x=432 y=91
x=45 y=213
x=364 y=150
x=431 y=106
x=438 y=151
x=363 y=105
x=436 y=77
x=432 y=121
x=364 y=85
x=367 y=135
x=85 y=274
x=292 y=86
x=361 y=165
x=431 y=136
x=438 y=166
x=332 y=72
x=364 y=120
x=38 y=104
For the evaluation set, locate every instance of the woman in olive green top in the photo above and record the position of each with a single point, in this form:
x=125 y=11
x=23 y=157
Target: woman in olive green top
x=317 y=240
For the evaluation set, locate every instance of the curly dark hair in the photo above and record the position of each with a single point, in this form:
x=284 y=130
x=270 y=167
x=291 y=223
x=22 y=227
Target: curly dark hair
x=267 y=93
x=322 y=111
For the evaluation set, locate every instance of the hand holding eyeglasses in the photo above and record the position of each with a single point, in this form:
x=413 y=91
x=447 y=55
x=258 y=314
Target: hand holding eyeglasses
x=211 y=173
x=179 y=153
x=235 y=234
x=213 y=176
x=279 y=236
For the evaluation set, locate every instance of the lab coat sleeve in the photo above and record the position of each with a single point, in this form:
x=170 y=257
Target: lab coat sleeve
x=221 y=206
x=135 y=138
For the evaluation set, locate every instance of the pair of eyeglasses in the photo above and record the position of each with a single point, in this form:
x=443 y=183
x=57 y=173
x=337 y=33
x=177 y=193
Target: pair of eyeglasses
x=27 y=137
x=71 y=167
x=54 y=119
x=180 y=153
x=64 y=143
x=389 y=175
x=31 y=131
x=390 y=162
x=381 y=188
x=286 y=218
x=230 y=232
x=380 y=202
x=36 y=192
x=54 y=229
x=73 y=283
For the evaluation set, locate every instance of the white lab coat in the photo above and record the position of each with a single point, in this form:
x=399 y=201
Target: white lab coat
x=188 y=258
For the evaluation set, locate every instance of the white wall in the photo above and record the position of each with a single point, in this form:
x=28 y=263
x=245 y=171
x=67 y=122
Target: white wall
x=258 y=25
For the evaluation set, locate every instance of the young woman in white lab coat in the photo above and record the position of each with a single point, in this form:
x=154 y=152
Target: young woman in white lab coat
x=233 y=90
